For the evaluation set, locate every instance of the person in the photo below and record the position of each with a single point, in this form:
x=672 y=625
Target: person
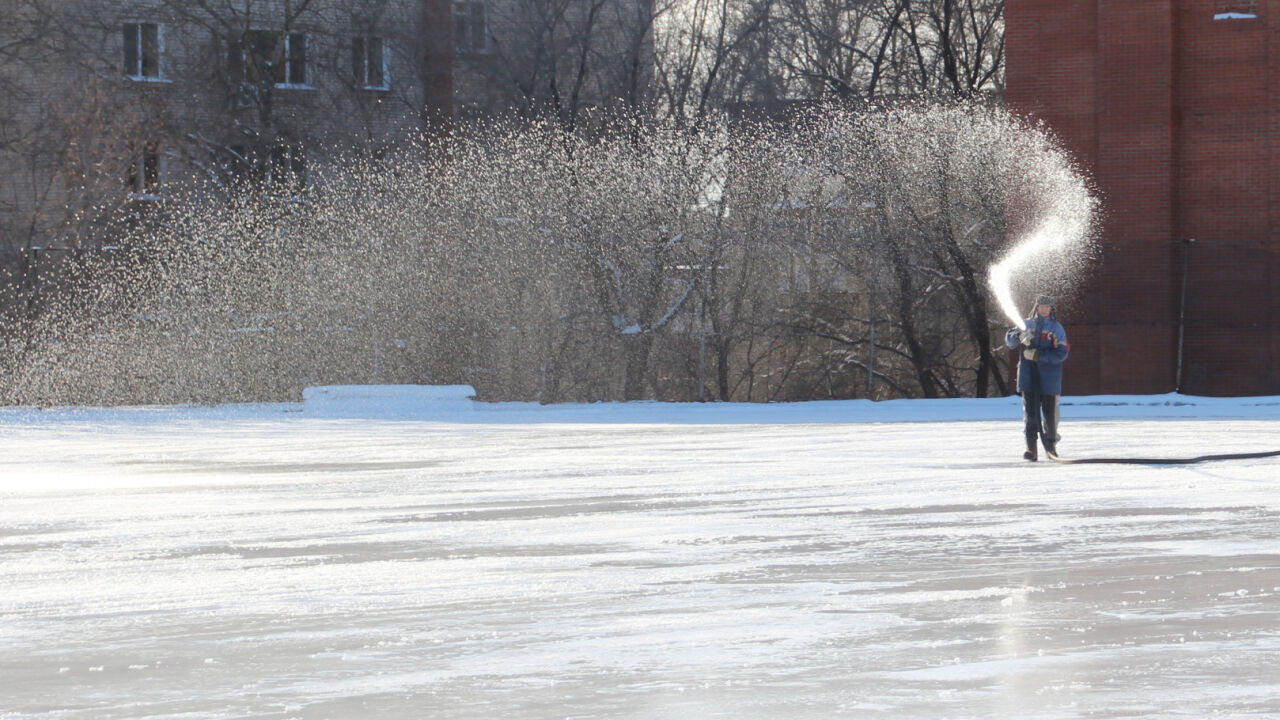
x=1044 y=348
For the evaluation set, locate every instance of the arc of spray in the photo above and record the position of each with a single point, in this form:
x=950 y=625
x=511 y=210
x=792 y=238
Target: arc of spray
x=1049 y=238
x=999 y=279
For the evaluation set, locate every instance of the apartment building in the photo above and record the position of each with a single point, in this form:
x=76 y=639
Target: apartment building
x=567 y=58
x=111 y=103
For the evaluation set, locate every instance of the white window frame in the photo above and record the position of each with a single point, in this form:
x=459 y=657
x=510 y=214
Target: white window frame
x=465 y=11
x=287 y=56
x=361 y=57
x=247 y=48
x=137 y=71
x=1236 y=10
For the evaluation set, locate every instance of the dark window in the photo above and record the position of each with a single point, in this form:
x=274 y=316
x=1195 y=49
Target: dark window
x=287 y=171
x=470 y=27
x=240 y=165
x=253 y=57
x=369 y=58
x=142 y=50
x=263 y=55
x=144 y=172
x=295 y=71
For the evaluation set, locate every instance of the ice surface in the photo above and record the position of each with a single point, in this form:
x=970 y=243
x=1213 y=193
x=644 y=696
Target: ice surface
x=407 y=553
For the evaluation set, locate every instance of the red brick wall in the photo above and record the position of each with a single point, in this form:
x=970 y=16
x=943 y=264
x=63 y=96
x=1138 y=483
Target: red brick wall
x=1174 y=113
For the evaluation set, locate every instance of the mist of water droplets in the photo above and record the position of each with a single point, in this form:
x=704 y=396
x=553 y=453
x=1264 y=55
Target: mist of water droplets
x=1048 y=256
x=536 y=264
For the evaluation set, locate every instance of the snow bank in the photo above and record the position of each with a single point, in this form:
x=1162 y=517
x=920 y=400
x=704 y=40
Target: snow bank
x=456 y=403
x=387 y=401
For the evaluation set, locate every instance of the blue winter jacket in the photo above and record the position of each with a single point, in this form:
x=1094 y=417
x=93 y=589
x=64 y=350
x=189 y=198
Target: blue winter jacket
x=1051 y=340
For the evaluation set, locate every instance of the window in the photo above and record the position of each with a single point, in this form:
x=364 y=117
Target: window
x=369 y=58
x=263 y=55
x=294 y=71
x=470 y=27
x=287 y=171
x=142 y=49
x=143 y=178
x=1235 y=10
x=280 y=170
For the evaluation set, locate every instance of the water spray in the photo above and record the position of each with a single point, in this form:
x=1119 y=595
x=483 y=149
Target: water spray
x=531 y=248
x=1044 y=241
x=998 y=278
x=1051 y=250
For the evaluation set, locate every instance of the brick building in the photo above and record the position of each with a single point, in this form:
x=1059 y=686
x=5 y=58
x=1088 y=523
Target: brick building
x=1174 y=107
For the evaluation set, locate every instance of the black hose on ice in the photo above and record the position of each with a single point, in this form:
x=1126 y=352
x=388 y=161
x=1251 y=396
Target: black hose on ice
x=1035 y=378
x=1162 y=461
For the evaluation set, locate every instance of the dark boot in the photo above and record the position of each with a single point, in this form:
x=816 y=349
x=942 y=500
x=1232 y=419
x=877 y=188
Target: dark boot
x=1031 y=423
x=1049 y=404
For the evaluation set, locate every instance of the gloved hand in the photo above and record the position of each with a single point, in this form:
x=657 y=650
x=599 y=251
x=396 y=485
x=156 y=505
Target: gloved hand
x=1031 y=354
x=1053 y=340
x=1025 y=337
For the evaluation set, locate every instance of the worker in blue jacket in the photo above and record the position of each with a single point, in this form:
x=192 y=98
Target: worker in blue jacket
x=1044 y=347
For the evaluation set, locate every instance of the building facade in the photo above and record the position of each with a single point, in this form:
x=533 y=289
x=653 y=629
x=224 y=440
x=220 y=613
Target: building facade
x=569 y=59
x=120 y=103
x=1173 y=106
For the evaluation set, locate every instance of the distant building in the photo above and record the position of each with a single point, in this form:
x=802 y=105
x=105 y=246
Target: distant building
x=1171 y=105
x=551 y=57
x=124 y=101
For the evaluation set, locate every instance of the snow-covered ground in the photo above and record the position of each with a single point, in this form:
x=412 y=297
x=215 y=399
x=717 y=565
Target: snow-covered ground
x=406 y=553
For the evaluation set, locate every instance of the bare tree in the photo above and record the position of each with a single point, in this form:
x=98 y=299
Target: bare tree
x=68 y=137
x=554 y=58
x=841 y=48
x=875 y=48
x=704 y=54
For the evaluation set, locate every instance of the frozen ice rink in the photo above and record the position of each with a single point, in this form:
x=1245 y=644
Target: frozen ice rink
x=775 y=562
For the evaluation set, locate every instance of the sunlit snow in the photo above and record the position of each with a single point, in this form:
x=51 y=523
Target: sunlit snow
x=407 y=553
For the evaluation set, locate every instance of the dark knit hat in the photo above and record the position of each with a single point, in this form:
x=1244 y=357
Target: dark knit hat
x=1043 y=300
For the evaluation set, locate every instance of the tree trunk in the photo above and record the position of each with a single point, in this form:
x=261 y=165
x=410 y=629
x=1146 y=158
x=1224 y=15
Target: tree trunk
x=722 y=369
x=906 y=303
x=636 y=348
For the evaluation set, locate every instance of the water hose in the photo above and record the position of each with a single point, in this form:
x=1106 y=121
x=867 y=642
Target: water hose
x=1035 y=381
